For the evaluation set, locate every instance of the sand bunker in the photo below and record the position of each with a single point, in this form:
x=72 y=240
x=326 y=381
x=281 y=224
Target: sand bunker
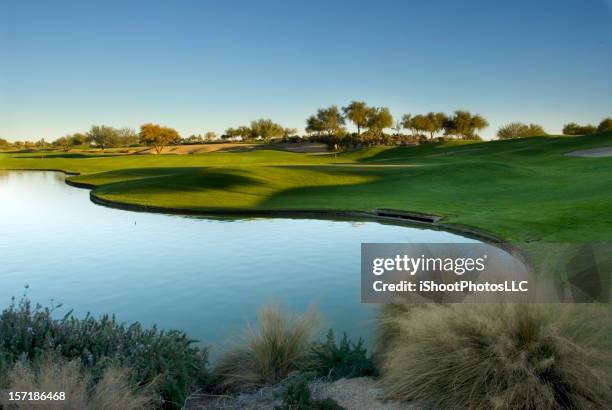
x=307 y=147
x=592 y=153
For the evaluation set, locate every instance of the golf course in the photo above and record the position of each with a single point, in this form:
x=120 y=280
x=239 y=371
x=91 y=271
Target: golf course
x=523 y=190
x=204 y=275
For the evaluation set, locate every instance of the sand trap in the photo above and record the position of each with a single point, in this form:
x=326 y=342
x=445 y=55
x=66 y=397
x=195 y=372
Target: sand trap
x=592 y=153
x=307 y=147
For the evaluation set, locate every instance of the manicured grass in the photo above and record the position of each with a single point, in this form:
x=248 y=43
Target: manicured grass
x=520 y=190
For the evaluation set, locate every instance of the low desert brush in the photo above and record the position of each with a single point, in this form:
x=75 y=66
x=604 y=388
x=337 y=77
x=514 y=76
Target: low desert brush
x=268 y=352
x=499 y=356
x=112 y=392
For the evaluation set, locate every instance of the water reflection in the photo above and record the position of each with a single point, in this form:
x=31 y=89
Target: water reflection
x=205 y=276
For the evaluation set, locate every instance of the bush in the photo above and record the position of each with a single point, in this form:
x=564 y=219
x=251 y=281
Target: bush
x=499 y=356
x=605 y=125
x=113 y=390
x=268 y=353
x=519 y=130
x=347 y=359
x=296 y=396
x=574 y=129
x=170 y=358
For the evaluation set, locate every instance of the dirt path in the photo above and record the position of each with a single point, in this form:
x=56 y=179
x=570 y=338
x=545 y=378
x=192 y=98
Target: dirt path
x=362 y=393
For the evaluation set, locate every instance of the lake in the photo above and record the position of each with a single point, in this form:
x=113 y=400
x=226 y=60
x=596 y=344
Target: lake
x=204 y=276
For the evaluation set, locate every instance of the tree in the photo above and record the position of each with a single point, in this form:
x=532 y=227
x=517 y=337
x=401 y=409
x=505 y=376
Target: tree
x=574 y=129
x=102 y=136
x=78 y=138
x=326 y=120
x=245 y=132
x=464 y=124
x=419 y=123
x=434 y=122
x=65 y=142
x=605 y=125
x=397 y=127
x=289 y=132
x=535 y=130
x=158 y=136
x=357 y=112
x=266 y=129
x=519 y=130
x=231 y=133
x=379 y=119
x=4 y=143
x=125 y=137
x=210 y=136
x=407 y=122
x=193 y=139
x=571 y=129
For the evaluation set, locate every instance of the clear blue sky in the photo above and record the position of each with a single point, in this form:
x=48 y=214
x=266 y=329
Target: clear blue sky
x=207 y=65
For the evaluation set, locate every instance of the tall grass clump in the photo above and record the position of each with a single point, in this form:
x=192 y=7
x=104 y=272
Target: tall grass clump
x=169 y=358
x=499 y=356
x=268 y=352
x=112 y=391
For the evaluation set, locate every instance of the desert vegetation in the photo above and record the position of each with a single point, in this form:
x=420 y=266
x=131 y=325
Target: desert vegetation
x=101 y=364
x=327 y=125
x=268 y=352
x=476 y=356
x=98 y=352
x=520 y=130
x=497 y=356
x=75 y=388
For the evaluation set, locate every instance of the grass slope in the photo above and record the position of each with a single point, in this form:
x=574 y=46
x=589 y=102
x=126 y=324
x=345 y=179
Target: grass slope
x=520 y=189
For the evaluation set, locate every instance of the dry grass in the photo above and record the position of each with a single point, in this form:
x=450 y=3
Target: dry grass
x=112 y=392
x=267 y=353
x=499 y=356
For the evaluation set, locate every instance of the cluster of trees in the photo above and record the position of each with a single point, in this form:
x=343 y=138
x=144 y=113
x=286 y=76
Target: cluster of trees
x=39 y=144
x=263 y=128
x=575 y=129
x=330 y=121
x=519 y=130
x=328 y=124
x=210 y=136
x=104 y=136
x=461 y=124
x=70 y=140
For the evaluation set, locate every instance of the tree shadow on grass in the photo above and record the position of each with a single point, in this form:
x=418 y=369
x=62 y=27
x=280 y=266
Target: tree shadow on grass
x=67 y=156
x=155 y=181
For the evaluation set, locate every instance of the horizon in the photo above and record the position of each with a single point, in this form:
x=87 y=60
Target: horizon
x=204 y=66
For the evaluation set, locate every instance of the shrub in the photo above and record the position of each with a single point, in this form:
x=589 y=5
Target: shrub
x=296 y=396
x=574 y=129
x=520 y=130
x=170 y=358
x=113 y=390
x=605 y=125
x=268 y=353
x=499 y=356
x=347 y=359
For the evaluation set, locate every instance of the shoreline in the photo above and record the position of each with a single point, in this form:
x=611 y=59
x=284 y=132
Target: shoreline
x=390 y=216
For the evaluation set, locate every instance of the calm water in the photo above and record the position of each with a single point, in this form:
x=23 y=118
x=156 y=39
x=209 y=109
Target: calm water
x=204 y=276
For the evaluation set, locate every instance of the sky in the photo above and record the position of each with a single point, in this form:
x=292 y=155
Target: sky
x=203 y=66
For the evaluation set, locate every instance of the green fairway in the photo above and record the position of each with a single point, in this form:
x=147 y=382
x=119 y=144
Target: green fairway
x=520 y=190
